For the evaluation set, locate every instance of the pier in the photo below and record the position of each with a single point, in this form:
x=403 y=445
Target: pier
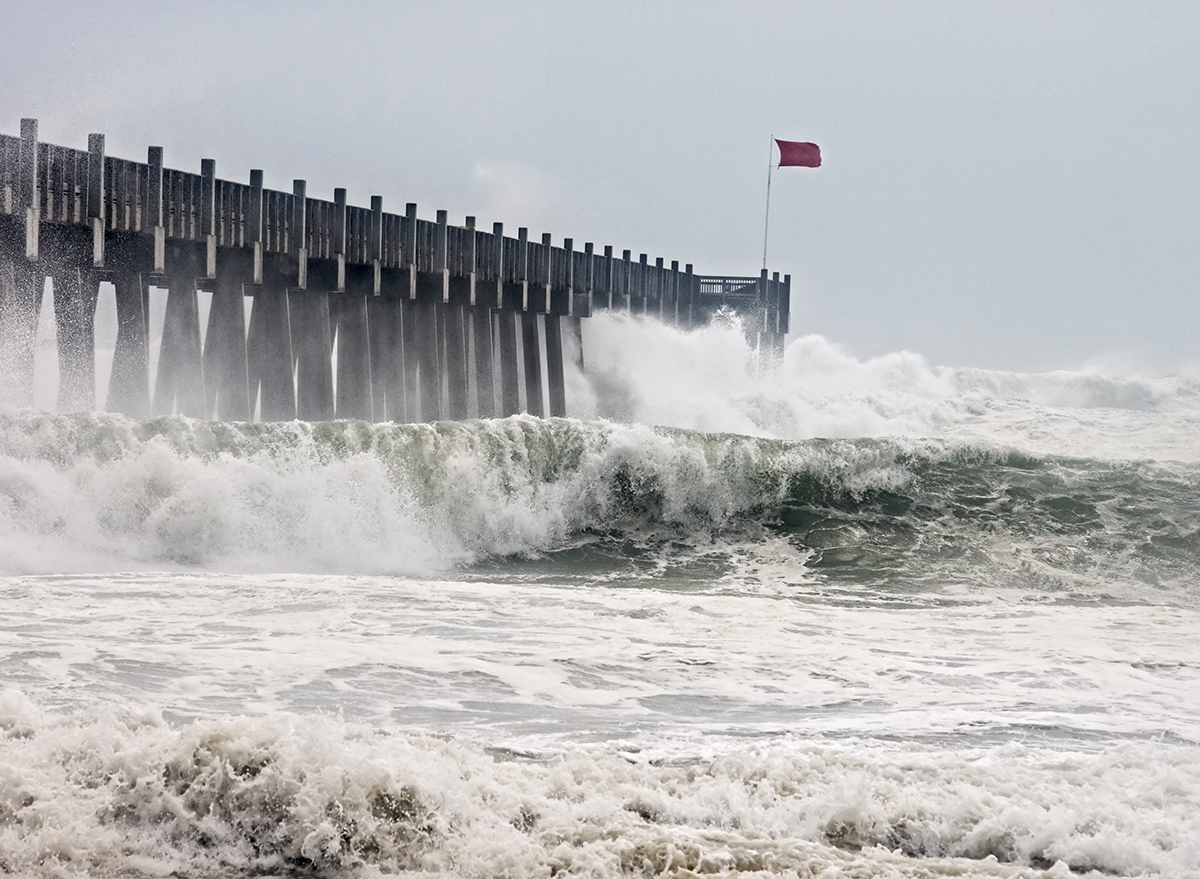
x=318 y=309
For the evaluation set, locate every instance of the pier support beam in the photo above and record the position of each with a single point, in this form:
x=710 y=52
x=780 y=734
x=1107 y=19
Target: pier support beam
x=21 y=287
x=354 y=397
x=510 y=393
x=179 y=386
x=554 y=366
x=533 y=364
x=312 y=351
x=385 y=327
x=574 y=330
x=129 y=382
x=456 y=361
x=485 y=381
x=226 y=374
x=411 y=336
x=425 y=338
x=75 y=293
x=269 y=347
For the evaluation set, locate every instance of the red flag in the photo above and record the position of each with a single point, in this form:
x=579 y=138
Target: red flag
x=791 y=152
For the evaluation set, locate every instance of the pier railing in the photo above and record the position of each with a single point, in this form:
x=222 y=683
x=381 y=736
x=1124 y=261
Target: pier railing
x=421 y=318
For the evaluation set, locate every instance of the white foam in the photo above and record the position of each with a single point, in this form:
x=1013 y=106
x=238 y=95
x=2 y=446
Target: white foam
x=710 y=380
x=98 y=492
x=125 y=793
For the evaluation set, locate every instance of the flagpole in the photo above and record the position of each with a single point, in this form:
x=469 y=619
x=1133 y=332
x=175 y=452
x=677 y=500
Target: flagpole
x=767 y=220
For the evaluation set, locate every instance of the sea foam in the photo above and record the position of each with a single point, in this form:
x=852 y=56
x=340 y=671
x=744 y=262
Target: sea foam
x=127 y=794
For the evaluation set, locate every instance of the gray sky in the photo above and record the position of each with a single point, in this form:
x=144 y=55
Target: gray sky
x=1009 y=185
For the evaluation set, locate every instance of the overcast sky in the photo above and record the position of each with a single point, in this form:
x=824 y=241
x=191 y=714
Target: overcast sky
x=1008 y=185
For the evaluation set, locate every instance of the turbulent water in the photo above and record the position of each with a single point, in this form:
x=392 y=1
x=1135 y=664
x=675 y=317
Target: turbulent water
x=829 y=618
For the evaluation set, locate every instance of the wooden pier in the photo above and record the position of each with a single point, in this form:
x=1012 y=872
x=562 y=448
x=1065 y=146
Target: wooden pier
x=352 y=312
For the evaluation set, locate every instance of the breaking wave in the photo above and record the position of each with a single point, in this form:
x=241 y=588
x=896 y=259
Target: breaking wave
x=100 y=491
x=130 y=795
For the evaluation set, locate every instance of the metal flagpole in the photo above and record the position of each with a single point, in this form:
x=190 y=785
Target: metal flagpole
x=767 y=221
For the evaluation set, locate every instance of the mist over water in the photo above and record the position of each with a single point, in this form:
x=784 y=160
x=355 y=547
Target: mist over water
x=709 y=380
x=821 y=617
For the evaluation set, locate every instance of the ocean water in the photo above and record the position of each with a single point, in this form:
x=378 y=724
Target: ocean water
x=821 y=618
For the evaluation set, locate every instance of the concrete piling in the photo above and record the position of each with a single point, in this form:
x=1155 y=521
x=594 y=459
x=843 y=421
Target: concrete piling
x=354 y=312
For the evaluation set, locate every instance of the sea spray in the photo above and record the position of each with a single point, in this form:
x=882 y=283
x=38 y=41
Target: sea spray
x=711 y=380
